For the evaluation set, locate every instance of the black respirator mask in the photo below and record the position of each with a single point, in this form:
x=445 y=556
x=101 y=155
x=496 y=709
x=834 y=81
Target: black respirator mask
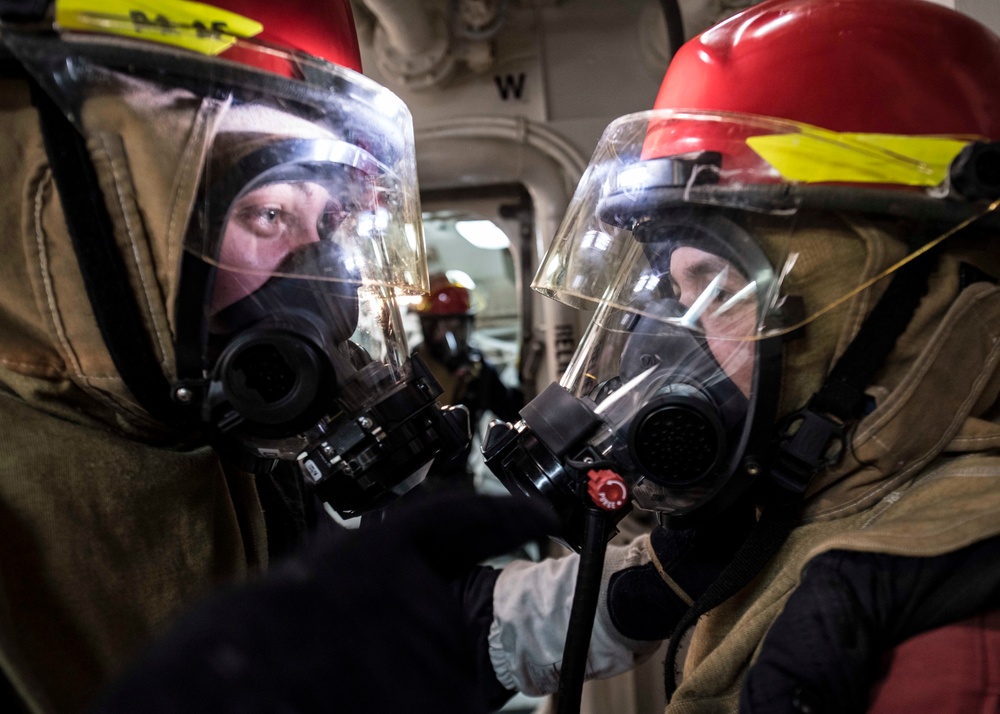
x=447 y=338
x=301 y=344
x=289 y=382
x=288 y=198
x=668 y=401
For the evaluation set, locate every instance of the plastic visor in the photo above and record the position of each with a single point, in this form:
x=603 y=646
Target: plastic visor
x=331 y=123
x=327 y=158
x=766 y=175
x=675 y=391
x=306 y=215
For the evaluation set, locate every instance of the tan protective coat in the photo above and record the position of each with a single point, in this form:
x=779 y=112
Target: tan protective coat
x=921 y=476
x=110 y=524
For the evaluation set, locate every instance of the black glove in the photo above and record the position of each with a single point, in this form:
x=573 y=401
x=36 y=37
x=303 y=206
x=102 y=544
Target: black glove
x=822 y=653
x=643 y=606
x=364 y=621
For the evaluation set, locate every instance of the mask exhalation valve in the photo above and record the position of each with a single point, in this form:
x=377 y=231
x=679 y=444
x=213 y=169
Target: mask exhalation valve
x=677 y=440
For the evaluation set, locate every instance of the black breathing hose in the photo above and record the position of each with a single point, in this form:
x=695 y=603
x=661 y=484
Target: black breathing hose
x=581 y=616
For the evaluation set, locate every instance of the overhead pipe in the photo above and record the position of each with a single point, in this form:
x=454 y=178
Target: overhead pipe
x=411 y=42
x=664 y=25
x=520 y=131
x=675 y=25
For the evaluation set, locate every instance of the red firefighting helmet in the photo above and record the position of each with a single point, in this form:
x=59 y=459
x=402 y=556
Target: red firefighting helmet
x=322 y=29
x=897 y=67
x=447 y=298
x=885 y=108
x=281 y=37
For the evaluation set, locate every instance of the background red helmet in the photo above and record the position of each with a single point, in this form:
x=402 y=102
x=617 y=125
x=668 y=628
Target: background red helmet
x=876 y=66
x=447 y=298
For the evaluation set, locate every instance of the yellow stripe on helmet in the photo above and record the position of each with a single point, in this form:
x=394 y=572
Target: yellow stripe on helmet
x=818 y=156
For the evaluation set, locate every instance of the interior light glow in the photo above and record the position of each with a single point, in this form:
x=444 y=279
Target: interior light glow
x=483 y=234
x=460 y=277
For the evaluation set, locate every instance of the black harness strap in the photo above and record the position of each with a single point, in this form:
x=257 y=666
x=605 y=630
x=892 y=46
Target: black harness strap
x=804 y=452
x=763 y=542
x=92 y=232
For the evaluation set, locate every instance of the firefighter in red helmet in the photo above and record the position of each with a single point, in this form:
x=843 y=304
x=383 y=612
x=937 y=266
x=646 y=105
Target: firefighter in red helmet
x=790 y=361
x=447 y=318
x=208 y=214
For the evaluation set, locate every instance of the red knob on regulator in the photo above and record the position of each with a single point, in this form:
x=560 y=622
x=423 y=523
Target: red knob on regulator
x=607 y=489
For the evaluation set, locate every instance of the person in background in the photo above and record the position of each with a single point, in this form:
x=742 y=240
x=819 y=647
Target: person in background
x=447 y=320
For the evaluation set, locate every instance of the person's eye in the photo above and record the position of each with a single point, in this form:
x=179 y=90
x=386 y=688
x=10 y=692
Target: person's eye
x=724 y=295
x=264 y=221
x=731 y=289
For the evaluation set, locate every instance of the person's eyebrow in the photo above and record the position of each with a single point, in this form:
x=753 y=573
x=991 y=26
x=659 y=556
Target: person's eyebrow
x=709 y=266
x=305 y=188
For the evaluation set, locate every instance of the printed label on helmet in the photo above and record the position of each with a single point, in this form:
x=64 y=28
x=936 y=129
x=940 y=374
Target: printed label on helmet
x=191 y=25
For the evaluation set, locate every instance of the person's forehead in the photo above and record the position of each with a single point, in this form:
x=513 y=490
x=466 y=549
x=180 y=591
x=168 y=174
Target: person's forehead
x=696 y=262
x=303 y=188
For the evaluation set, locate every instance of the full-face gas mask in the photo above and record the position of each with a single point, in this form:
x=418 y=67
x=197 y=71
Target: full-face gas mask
x=302 y=228
x=691 y=264
x=663 y=399
x=303 y=344
x=447 y=338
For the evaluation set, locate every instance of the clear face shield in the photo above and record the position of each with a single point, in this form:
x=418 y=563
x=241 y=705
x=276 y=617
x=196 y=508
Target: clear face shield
x=667 y=364
x=690 y=239
x=303 y=226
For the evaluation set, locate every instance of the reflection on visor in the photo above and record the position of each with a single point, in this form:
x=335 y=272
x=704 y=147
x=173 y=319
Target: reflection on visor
x=692 y=268
x=720 y=301
x=717 y=295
